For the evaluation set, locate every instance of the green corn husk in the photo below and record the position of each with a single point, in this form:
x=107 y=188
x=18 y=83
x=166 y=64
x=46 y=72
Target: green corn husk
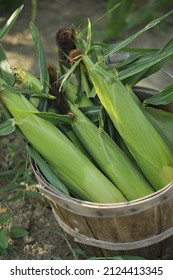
x=25 y=79
x=71 y=94
x=73 y=168
x=162 y=121
x=110 y=158
x=68 y=132
x=145 y=143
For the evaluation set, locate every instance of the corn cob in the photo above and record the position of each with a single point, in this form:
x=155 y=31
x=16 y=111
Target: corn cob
x=146 y=145
x=73 y=168
x=110 y=158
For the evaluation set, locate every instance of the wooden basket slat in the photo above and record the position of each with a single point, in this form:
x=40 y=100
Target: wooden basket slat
x=71 y=222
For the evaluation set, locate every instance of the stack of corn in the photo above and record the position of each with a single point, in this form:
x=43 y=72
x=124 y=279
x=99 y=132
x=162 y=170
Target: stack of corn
x=79 y=151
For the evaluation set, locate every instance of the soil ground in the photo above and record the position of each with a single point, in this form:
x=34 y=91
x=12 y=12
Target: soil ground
x=45 y=239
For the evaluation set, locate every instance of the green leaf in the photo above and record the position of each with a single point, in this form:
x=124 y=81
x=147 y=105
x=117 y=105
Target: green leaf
x=163 y=97
x=44 y=74
x=92 y=112
x=6 y=75
x=44 y=168
x=43 y=95
x=86 y=85
x=162 y=121
x=54 y=118
x=145 y=64
x=3 y=239
x=7 y=127
x=126 y=64
x=89 y=36
x=18 y=232
x=29 y=92
x=69 y=72
x=4 y=218
x=165 y=54
x=10 y=22
x=118 y=46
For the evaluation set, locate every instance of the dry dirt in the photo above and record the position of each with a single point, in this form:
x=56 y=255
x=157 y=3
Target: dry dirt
x=45 y=239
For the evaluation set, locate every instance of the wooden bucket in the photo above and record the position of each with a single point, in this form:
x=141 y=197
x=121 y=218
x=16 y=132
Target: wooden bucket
x=143 y=227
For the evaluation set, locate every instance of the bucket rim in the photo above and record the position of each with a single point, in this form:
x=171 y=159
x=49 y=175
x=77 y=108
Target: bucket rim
x=74 y=204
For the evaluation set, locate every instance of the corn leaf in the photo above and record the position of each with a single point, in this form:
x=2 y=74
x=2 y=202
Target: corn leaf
x=46 y=171
x=92 y=112
x=162 y=121
x=6 y=75
x=26 y=91
x=146 y=64
x=31 y=93
x=167 y=53
x=7 y=127
x=131 y=60
x=54 y=118
x=89 y=36
x=44 y=75
x=118 y=46
x=69 y=73
x=86 y=85
x=163 y=97
x=10 y=22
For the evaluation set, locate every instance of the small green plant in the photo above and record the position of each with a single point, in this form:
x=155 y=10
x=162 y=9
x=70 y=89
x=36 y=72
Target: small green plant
x=8 y=234
x=16 y=178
